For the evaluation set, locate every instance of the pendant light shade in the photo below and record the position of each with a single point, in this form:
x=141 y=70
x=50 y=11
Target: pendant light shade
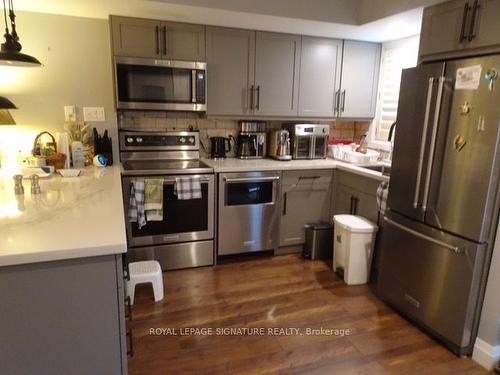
x=5 y=116
x=10 y=52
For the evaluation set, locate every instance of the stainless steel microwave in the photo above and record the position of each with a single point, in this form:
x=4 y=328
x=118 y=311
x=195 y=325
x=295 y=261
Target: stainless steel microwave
x=154 y=84
x=308 y=141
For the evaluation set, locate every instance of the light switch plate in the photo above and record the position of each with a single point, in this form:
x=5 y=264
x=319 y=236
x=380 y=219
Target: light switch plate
x=69 y=113
x=93 y=114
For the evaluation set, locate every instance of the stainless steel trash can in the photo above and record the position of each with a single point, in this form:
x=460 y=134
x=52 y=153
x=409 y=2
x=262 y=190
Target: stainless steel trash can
x=319 y=241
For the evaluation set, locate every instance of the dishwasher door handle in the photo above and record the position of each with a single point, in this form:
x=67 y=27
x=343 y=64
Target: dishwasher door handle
x=251 y=179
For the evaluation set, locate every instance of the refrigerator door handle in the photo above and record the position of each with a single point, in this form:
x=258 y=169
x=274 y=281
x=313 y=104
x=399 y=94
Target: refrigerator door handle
x=423 y=142
x=433 y=143
x=458 y=250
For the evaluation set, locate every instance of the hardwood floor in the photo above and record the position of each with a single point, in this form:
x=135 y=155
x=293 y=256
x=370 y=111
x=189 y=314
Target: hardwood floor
x=286 y=292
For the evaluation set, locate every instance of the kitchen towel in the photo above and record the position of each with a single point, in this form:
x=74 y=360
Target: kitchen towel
x=187 y=188
x=153 y=199
x=382 y=191
x=136 y=202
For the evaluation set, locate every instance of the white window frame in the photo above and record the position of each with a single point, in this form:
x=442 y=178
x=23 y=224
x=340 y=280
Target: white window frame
x=373 y=142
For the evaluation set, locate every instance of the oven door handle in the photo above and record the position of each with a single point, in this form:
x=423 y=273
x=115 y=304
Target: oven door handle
x=251 y=179
x=168 y=181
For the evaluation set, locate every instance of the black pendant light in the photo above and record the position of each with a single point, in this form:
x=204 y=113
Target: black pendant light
x=5 y=116
x=10 y=52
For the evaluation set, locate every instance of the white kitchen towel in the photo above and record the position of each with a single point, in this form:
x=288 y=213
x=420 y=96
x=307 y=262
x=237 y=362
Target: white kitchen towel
x=153 y=199
x=187 y=188
x=136 y=202
x=382 y=191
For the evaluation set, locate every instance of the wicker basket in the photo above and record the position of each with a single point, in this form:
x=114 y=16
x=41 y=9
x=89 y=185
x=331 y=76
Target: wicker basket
x=57 y=159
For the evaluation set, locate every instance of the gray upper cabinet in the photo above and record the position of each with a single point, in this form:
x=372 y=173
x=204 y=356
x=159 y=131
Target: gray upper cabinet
x=470 y=25
x=360 y=70
x=230 y=59
x=320 y=68
x=486 y=28
x=433 y=38
x=277 y=59
x=135 y=37
x=183 y=41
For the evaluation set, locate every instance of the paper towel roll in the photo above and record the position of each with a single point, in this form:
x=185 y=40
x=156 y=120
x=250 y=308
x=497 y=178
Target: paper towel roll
x=62 y=139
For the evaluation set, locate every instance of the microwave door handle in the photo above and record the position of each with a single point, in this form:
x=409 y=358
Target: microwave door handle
x=193 y=86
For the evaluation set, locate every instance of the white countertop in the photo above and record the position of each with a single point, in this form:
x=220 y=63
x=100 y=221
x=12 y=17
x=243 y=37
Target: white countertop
x=248 y=165
x=73 y=217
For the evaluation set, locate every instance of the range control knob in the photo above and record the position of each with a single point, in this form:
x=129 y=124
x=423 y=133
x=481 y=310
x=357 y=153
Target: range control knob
x=138 y=140
x=191 y=140
x=182 y=140
x=130 y=140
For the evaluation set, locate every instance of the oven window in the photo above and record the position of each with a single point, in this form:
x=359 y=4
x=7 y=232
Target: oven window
x=246 y=193
x=179 y=216
x=153 y=84
x=320 y=147
x=303 y=146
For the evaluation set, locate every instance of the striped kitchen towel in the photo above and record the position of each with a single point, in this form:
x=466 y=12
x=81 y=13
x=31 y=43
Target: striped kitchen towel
x=382 y=191
x=187 y=188
x=136 y=203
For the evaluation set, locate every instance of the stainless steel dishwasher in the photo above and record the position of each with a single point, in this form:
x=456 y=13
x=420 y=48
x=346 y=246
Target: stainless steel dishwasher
x=248 y=212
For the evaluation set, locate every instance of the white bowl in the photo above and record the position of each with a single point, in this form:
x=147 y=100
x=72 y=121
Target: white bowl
x=69 y=172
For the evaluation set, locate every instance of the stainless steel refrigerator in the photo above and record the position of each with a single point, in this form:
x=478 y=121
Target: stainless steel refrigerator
x=443 y=197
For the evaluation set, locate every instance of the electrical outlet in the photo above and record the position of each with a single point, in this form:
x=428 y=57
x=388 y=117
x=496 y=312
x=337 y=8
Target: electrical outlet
x=93 y=114
x=69 y=113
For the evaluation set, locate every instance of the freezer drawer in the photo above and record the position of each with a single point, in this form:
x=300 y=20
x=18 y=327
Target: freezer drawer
x=432 y=278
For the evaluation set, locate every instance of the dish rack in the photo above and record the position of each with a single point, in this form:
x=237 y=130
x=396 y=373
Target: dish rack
x=347 y=153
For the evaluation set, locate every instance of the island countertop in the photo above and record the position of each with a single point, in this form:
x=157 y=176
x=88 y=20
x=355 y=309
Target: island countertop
x=73 y=217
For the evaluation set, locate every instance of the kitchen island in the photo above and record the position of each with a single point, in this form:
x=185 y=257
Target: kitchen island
x=61 y=276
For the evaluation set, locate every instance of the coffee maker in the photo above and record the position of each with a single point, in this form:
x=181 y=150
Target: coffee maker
x=252 y=140
x=279 y=145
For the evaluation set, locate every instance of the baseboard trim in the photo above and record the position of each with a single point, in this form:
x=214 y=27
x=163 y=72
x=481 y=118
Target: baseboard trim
x=485 y=354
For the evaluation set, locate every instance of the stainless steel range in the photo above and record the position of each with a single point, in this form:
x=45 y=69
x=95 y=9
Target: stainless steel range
x=185 y=236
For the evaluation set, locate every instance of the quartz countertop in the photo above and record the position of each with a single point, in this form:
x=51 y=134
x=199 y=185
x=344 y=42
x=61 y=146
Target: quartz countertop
x=249 y=165
x=73 y=217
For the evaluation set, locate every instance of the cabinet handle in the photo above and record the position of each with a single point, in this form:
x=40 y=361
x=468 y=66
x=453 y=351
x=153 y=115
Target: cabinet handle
x=356 y=203
x=464 y=22
x=285 y=196
x=472 y=29
x=257 y=105
x=157 y=40
x=342 y=107
x=351 y=209
x=164 y=40
x=251 y=96
x=336 y=101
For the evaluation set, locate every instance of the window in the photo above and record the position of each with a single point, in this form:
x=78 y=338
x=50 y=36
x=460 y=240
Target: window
x=396 y=56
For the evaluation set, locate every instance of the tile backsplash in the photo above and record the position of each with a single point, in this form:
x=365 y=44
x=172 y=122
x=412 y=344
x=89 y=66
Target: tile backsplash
x=220 y=127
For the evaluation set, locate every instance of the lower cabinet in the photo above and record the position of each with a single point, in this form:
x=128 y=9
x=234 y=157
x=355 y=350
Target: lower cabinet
x=355 y=195
x=306 y=198
x=63 y=317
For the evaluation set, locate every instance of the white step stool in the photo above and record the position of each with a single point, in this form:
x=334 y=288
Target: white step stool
x=148 y=271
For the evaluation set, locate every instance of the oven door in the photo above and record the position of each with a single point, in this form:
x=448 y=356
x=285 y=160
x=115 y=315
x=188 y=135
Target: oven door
x=160 y=84
x=183 y=220
x=248 y=212
x=320 y=146
x=302 y=148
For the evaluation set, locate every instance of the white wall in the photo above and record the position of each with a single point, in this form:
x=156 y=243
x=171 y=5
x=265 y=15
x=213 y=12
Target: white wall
x=77 y=69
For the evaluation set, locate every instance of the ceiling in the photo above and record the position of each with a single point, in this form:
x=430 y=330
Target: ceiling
x=372 y=20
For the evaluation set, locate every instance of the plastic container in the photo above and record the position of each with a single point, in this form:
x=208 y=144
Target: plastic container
x=354 y=238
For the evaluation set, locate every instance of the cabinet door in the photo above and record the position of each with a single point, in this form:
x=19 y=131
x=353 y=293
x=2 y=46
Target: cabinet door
x=486 y=29
x=276 y=74
x=230 y=68
x=366 y=206
x=360 y=68
x=135 y=37
x=342 y=200
x=445 y=27
x=183 y=41
x=307 y=200
x=320 y=65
